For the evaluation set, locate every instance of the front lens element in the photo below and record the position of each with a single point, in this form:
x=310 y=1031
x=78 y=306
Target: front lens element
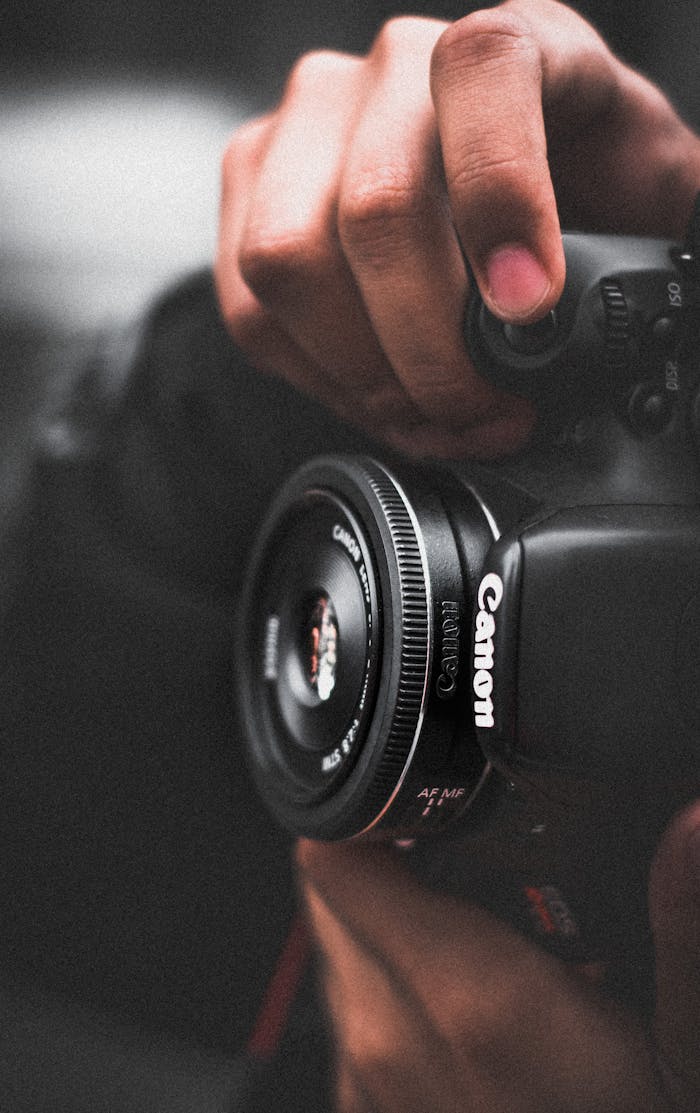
x=320 y=645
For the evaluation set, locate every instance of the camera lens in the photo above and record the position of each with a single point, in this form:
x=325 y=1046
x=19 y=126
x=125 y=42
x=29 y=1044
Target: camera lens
x=354 y=650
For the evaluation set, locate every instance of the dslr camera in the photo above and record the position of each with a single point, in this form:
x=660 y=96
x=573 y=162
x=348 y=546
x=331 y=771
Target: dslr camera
x=507 y=655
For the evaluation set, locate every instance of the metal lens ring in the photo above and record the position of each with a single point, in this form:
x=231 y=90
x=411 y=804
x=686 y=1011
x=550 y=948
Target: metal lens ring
x=336 y=647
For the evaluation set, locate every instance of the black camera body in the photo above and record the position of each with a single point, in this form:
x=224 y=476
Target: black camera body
x=508 y=653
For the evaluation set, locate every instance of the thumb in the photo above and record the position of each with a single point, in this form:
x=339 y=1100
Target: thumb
x=675 y=920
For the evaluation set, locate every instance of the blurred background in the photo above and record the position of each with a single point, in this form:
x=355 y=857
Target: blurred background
x=114 y=115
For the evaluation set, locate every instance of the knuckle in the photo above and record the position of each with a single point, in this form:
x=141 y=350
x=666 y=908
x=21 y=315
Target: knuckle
x=265 y=256
x=489 y=171
x=484 y=38
x=382 y=206
x=314 y=69
x=399 y=32
x=272 y=262
x=242 y=146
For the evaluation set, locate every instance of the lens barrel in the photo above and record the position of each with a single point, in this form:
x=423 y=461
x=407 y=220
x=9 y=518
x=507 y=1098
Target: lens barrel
x=354 y=656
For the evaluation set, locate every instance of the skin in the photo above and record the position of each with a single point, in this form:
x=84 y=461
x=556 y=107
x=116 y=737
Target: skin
x=346 y=215
x=346 y=212
x=456 y=1012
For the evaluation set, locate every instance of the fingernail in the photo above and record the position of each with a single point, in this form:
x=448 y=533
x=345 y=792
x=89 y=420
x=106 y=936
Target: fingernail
x=517 y=281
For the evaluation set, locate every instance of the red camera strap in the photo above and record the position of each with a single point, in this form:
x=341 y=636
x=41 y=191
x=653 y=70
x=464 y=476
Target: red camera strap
x=280 y=993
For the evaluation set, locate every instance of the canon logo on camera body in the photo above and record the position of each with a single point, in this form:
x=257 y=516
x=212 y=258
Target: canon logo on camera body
x=489 y=599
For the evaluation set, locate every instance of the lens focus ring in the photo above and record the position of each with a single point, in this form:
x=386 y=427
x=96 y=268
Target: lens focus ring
x=414 y=627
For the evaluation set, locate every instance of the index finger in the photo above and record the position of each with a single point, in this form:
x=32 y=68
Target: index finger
x=490 y=76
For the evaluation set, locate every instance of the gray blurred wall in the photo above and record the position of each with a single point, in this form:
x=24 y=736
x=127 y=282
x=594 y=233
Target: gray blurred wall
x=114 y=115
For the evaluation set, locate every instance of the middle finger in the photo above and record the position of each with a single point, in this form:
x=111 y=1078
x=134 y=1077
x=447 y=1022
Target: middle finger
x=398 y=234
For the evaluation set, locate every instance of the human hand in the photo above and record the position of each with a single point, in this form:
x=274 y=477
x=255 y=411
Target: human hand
x=438 y=1006
x=345 y=211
